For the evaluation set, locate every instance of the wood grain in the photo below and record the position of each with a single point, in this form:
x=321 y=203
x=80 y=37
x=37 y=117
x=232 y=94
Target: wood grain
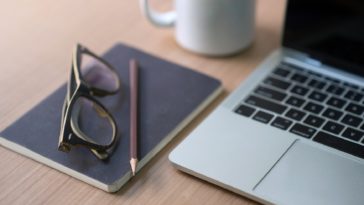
x=35 y=50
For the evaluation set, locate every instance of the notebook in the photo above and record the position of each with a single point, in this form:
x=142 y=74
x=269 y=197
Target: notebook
x=170 y=97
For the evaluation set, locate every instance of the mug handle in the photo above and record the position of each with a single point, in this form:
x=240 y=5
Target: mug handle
x=166 y=19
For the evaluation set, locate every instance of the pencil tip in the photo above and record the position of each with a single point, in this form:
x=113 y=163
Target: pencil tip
x=133 y=164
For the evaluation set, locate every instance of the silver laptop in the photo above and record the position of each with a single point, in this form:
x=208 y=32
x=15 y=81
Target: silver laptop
x=293 y=132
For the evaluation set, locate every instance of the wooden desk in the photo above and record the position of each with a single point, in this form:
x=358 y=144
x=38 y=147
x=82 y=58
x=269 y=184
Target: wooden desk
x=35 y=50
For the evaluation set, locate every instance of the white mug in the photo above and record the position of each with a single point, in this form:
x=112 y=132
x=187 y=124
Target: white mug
x=210 y=27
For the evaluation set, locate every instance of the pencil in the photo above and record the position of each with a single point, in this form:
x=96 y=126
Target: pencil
x=133 y=70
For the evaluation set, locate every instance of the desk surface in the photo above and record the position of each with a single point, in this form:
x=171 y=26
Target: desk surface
x=35 y=51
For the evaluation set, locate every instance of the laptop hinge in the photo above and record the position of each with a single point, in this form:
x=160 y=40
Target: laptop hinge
x=303 y=57
x=312 y=61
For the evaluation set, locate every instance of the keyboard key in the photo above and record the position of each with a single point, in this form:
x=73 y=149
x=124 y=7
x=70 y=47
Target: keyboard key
x=295 y=101
x=332 y=114
x=299 y=78
x=352 y=134
x=336 y=102
x=265 y=104
x=337 y=90
x=313 y=107
x=245 y=110
x=281 y=123
x=352 y=95
x=351 y=120
x=317 y=84
x=263 y=117
x=333 y=127
x=302 y=130
x=269 y=93
x=340 y=144
x=295 y=114
x=299 y=90
x=318 y=96
x=355 y=108
x=281 y=72
x=277 y=83
x=314 y=121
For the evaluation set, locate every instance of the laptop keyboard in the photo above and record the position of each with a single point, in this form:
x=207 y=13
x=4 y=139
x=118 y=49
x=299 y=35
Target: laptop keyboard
x=310 y=105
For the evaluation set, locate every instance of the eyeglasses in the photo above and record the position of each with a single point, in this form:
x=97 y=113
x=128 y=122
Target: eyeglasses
x=85 y=121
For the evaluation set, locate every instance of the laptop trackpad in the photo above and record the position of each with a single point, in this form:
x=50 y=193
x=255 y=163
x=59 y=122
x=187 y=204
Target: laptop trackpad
x=308 y=175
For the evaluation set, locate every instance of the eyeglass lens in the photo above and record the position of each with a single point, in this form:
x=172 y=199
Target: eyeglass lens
x=98 y=74
x=92 y=121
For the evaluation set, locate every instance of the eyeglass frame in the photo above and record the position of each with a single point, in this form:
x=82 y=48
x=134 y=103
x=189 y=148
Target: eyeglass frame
x=70 y=133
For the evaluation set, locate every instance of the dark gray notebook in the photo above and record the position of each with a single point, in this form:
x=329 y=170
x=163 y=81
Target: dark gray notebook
x=170 y=96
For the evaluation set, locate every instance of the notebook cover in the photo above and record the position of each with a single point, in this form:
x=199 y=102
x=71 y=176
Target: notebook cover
x=169 y=96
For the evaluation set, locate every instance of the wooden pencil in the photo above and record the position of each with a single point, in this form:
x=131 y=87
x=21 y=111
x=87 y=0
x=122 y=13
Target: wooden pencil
x=133 y=69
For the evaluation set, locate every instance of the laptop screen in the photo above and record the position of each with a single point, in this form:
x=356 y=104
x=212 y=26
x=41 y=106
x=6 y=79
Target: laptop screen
x=331 y=31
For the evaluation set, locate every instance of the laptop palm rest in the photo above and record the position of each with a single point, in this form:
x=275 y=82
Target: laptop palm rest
x=308 y=175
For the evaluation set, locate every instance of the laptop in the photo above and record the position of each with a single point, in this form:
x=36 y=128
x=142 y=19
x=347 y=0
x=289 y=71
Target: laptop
x=293 y=132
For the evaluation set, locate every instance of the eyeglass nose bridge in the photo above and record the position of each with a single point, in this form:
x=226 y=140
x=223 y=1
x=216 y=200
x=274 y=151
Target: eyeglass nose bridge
x=85 y=88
